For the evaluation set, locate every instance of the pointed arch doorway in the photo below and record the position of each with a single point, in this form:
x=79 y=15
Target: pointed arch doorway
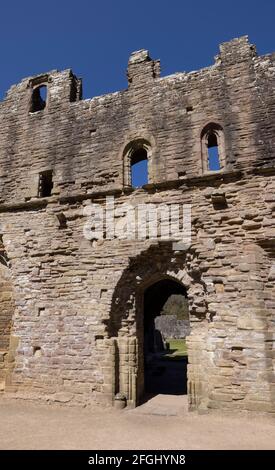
x=141 y=295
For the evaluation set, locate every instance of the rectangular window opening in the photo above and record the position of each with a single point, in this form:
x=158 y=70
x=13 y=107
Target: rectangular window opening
x=45 y=183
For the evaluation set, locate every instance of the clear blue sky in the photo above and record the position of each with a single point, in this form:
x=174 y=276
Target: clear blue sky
x=95 y=37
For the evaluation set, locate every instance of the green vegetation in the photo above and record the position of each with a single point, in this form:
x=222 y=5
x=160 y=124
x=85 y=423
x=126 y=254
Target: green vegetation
x=176 y=305
x=177 y=349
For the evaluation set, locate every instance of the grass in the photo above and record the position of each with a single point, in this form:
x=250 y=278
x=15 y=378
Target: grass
x=177 y=349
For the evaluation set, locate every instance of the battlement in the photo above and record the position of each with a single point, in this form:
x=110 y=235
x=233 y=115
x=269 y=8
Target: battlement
x=140 y=65
x=86 y=145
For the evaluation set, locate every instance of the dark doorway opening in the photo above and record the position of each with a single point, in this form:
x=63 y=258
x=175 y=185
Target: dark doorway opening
x=166 y=324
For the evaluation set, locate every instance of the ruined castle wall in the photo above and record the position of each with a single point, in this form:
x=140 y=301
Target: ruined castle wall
x=83 y=141
x=76 y=299
x=65 y=287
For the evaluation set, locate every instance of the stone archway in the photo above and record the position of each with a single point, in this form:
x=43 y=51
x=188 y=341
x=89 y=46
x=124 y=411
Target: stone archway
x=125 y=325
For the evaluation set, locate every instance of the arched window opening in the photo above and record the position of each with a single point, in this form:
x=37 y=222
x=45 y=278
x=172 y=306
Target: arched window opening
x=39 y=98
x=139 y=168
x=213 y=153
x=137 y=163
x=212 y=141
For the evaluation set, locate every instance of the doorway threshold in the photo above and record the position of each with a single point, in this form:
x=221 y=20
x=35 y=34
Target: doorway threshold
x=163 y=405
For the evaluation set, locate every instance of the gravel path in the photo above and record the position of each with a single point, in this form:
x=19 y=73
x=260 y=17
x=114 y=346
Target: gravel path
x=153 y=426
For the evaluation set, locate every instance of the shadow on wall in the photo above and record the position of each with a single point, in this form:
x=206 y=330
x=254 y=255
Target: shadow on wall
x=6 y=313
x=151 y=266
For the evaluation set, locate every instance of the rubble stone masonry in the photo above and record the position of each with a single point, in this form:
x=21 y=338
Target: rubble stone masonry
x=71 y=319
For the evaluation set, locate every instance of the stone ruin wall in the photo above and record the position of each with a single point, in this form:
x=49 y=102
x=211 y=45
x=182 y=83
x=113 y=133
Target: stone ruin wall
x=76 y=322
